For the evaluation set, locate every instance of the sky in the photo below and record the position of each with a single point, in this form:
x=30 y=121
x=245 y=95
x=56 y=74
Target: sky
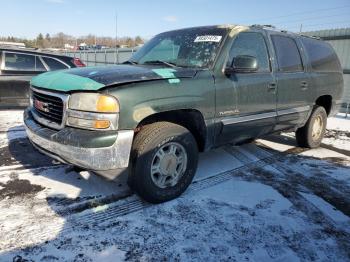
x=28 y=18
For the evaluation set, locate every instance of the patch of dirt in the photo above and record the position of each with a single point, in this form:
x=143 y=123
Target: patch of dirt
x=337 y=134
x=337 y=160
x=21 y=151
x=18 y=188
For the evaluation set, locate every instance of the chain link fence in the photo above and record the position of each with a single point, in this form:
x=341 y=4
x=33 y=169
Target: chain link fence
x=102 y=57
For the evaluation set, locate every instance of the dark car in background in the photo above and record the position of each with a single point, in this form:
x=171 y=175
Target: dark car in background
x=18 y=66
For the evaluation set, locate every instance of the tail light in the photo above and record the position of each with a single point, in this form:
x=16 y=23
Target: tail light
x=78 y=62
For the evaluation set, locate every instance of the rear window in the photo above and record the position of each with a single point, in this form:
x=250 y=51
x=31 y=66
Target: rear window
x=287 y=52
x=321 y=55
x=54 y=64
x=23 y=62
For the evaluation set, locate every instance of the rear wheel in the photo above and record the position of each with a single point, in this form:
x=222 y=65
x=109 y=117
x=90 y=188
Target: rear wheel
x=163 y=161
x=312 y=133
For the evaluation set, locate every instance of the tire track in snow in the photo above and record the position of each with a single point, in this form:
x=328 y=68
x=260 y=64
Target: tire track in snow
x=323 y=188
x=132 y=203
x=291 y=192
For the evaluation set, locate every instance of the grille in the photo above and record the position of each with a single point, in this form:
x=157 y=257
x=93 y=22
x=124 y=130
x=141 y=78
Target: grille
x=48 y=107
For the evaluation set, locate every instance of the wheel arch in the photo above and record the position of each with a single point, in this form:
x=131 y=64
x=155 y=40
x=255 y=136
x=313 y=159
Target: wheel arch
x=326 y=102
x=191 y=119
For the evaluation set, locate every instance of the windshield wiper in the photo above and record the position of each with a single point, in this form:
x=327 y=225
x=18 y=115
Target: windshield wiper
x=169 y=64
x=130 y=62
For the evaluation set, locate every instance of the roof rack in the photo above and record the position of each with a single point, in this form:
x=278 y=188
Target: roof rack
x=283 y=31
x=263 y=26
x=311 y=36
x=271 y=27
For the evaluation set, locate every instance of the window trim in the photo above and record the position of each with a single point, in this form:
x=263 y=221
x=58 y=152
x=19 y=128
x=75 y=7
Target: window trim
x=3 y=68
x=276 y=56
x=39 y=56
x=54 y=58
x=267 y=52
x=311 y=67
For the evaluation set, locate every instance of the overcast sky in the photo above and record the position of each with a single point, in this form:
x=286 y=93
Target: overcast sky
x=24 y=18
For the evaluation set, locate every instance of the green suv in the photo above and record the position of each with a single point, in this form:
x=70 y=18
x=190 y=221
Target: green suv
x=184 y=92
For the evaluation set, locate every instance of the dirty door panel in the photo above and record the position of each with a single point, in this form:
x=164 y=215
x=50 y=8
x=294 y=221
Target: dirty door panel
x=14 y=90
x=17 y=71
x=254 y=101
x=292 y=81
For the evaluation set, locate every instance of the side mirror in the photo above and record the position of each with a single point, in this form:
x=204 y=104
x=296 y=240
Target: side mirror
x=243 y=64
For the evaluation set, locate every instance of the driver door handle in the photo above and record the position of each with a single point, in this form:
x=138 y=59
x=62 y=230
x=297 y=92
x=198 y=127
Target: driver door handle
x=271 y=86
x=304 y=85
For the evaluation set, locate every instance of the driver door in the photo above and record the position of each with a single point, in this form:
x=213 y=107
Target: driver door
x=255 y=92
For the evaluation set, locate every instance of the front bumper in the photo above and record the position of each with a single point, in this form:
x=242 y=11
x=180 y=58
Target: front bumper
x=98 y=151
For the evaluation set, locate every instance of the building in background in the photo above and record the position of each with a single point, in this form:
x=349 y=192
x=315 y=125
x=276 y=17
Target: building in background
x=13 y=44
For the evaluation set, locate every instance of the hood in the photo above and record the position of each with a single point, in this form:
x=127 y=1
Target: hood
x=95 y=78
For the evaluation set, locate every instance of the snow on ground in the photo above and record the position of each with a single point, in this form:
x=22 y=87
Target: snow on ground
x=338 y=134
x=265 y=201
x=10 y=119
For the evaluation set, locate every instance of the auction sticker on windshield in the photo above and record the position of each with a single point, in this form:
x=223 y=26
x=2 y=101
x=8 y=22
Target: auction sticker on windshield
x=208 y=38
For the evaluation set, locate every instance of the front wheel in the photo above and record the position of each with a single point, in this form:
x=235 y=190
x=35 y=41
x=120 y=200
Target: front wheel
x=163 y=161
x=312 y=133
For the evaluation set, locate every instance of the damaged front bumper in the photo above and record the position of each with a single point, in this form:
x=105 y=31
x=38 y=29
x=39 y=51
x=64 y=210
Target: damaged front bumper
x=99 y=151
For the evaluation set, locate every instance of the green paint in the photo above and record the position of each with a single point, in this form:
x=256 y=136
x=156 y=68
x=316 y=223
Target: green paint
x=63 y=81
x=167 y=73
x=174 y=81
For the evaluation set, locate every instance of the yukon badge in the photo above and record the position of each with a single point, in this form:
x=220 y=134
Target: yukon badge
x=230 y=112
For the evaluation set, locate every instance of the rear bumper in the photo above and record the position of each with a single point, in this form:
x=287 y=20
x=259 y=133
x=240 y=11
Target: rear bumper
x=92 y=150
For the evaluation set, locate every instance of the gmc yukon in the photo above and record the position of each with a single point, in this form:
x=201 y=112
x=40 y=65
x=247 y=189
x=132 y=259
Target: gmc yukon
x=185 y=91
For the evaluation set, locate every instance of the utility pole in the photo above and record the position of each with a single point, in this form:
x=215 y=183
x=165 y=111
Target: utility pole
x=116 y=38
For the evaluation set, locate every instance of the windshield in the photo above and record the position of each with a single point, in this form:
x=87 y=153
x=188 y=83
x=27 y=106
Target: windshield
x=195 y=47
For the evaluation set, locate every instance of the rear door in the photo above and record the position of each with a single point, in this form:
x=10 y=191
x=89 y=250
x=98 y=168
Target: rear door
x=54 y=63
x=293 y=82
x=17 y=69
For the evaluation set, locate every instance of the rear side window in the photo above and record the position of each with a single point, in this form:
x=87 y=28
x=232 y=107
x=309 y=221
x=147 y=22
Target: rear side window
x=321 y=55
x=54 y=64
x=23 y=62
x=287 y=52
x=251 y=44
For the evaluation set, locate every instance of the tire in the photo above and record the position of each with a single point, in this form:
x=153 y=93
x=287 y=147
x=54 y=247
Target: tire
x=172 y=153
x=305 y=136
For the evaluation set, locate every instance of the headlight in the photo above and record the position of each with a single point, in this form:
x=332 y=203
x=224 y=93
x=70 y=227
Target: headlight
x=93 y=111
x=93 y=102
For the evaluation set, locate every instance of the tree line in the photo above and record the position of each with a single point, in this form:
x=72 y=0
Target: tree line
x=59 y=40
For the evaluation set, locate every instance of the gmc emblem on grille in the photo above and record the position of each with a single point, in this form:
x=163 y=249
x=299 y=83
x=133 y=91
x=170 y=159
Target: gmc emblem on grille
x=41 y=105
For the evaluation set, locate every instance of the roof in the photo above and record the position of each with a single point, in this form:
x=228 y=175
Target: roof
x=30 y=51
